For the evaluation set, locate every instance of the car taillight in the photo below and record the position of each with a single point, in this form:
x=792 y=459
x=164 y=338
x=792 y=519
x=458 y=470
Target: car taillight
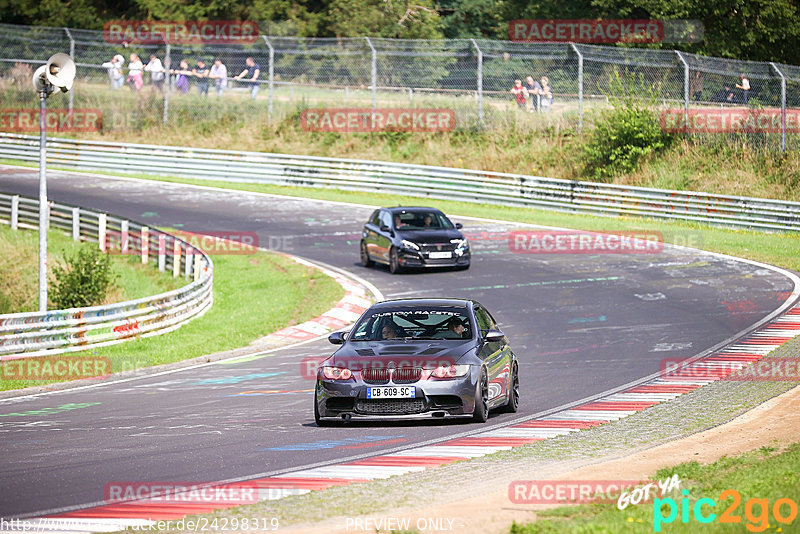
x=337 y=373
x=444 y=372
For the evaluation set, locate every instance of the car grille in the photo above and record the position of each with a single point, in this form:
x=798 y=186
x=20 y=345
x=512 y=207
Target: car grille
x=406 y=375
x=373 y=375
x=437 y=247
x=390 y=406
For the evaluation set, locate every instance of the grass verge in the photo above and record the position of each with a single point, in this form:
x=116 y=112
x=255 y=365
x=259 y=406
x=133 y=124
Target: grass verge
x=280 y=293
x=760 y=478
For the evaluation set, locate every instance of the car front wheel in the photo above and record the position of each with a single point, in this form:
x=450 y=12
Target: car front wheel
x=394 y=263
x=513 y=392
x=481 y=413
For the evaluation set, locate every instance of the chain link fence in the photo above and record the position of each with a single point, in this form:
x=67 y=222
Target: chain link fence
x=471 y=76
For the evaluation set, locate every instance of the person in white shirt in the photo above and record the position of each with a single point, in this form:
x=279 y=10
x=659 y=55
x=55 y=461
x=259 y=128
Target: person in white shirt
x=115 y=75
x=157 y=72
x=744 y=85
x=135 y=69
x=219 y=73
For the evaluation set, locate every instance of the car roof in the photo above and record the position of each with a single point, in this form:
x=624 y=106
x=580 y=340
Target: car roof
x=460 y=303
x=399 y=209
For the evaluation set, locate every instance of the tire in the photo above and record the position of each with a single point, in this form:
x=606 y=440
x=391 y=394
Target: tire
x=394 y=264
x=481 y=412
x=320 y=422
x=513 y=393
x=366 y=261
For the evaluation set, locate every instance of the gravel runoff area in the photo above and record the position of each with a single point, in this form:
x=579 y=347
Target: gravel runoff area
x=702 y=409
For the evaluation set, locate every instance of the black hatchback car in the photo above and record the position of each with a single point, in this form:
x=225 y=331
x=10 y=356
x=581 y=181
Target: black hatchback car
x=413 y=238
x=418 y=358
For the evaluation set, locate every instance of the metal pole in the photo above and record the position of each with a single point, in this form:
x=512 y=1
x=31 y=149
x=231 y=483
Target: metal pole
x=783 y=106
x=580 y=86
x=271 y=73
x=168 y=80
x=479 y=82
x=374 y=73
x=43 y=201
x=72 y=55
x=685 y=89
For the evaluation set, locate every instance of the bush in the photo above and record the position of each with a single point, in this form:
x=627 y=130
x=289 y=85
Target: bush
x=84 y=280
x=626 y=133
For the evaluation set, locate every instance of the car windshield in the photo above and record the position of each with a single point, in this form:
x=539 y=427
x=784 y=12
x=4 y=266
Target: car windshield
x=430 y=322
x=422 y=220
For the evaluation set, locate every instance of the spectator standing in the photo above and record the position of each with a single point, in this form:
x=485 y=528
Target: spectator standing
x=201 y=73
x=182 y=81
x=135 y=70
x=547 y=93
x=157 y=72
x=535 y=92
x=115 y=74
x=252 y=71
x=519 y=93
x=219 y=73
x=744 y=86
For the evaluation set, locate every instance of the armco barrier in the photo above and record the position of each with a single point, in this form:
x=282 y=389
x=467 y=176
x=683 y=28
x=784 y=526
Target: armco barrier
x=414 y=180
x=39 y=333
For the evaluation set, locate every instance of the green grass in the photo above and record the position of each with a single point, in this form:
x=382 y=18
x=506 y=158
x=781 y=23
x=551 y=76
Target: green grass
x=280 y=292
x=19 y=264
x=767 y=474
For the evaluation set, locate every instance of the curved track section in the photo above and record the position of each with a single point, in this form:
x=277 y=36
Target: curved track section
x=582 y=325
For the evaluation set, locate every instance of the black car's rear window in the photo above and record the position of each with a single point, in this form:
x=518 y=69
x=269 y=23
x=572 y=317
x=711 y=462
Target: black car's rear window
x=422 y=220
x=433 y=322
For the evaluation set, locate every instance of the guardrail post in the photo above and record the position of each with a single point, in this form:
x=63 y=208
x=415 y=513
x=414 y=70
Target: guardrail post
x=145 y=244
x=374 y=73
x=197 y=270
x=479 y=82
x=72 y=55
x=176 y=258
x=580 y=86
x=124 y=237
x=189 y=262
x=15 y=212
x=271 y=73
x=101 y=231
x=76 y=224
x=685 y=89
x=783 y=106
x=162 y=252
x=168 y=80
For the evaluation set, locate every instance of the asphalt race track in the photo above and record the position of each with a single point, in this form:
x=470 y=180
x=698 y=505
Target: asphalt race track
x=581 y=324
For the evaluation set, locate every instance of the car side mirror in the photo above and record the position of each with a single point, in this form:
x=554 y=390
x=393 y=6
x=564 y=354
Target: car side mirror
x=492 y=336
x=384 y=228
x=459 y=226
x=337 y=338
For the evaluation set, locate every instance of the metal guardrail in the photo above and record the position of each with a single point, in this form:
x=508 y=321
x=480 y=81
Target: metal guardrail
x=413 y=180
x=25 y=335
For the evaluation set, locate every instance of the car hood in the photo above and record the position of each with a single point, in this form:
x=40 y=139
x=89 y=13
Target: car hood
x=430 y=236
x=423 y=353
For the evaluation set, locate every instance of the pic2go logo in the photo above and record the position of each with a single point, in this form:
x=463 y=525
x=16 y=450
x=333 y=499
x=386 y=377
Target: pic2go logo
x=756 y=511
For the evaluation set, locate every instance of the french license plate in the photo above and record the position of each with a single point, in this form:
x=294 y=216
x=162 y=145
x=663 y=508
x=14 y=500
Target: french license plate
x=392 y=392
x=440 y=255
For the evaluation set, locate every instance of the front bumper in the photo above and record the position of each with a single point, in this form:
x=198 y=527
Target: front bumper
x=415 y=259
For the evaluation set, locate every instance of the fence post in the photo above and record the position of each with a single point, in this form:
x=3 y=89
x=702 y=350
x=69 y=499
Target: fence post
x=479 y=82
x=167 y=85
x=271 y=73
x=162 y=252
x=76 y=224
x=197 y=270
x=176 y=258
x=101 y=231
x=189 y=261
x=783 y=106
x=374 y=73
x=15 y=212
x=72 y=55
x=123 y=245
x=685 y=89
x=145 y=244
x=580 y=86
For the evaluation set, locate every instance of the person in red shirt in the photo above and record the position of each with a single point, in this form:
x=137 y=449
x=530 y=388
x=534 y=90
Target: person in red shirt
x=520 y=93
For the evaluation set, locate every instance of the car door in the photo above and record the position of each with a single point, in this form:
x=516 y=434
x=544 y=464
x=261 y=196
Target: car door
x=370 y=233
x=383 y=240
x=494 y=354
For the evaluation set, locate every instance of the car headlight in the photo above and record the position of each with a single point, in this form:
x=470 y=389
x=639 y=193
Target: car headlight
x=446 y=372
x=337 y=373
x=462 y=245
x=409 y=244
